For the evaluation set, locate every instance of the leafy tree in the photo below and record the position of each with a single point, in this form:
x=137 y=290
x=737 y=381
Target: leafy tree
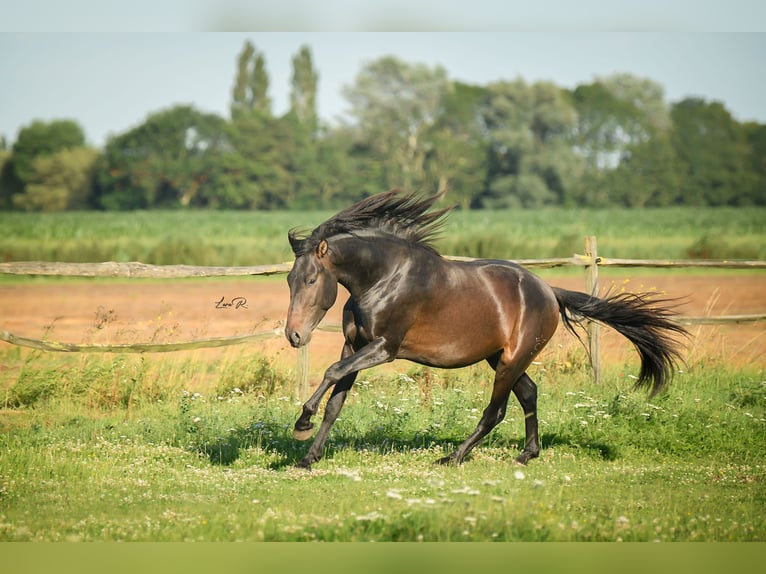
x=531 y=163
x=714 y=154
x=618 y=119
x=395 y=104
x=457 y=159
x=168 y=161
x=755 y=134
x=258 y=170
x=251 y=86
x=9 y=184
x=59 y=181
x=40 y=139
x=303 y=91
x=306 y=168
x=646 y=97
x=647 y=175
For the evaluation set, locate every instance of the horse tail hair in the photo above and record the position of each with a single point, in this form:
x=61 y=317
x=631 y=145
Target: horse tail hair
x=646 y=322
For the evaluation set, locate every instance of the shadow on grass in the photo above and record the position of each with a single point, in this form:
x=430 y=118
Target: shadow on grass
x=272 y=437
x=276 y=438
x=603 y=451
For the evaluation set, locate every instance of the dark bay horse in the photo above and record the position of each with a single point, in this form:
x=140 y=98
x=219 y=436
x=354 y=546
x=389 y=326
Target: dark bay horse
x=408 y=302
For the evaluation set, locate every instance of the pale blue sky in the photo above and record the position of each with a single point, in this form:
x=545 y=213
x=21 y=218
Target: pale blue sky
x=62 y=65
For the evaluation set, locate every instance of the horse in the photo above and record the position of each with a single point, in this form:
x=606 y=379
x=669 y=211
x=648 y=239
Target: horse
x=408 y=302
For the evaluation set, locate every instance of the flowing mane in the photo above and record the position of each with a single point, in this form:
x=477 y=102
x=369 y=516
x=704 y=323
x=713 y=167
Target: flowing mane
x=403 y=215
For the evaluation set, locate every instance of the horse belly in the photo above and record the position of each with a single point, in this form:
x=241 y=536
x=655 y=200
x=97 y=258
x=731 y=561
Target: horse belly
x=455 y=336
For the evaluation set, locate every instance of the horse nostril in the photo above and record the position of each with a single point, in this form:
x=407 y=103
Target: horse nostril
x=295 y=338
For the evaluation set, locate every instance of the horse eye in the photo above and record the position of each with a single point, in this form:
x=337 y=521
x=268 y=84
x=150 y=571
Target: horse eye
x=311 y=281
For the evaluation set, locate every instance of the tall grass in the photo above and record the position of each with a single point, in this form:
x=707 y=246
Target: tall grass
x=674 y=233
x=168 y=449
x=252 y=238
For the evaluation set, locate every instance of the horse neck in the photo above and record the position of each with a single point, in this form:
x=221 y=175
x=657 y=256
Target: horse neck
x=362 y=261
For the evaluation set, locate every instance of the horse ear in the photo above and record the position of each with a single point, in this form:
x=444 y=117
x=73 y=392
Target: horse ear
x=295 y=243
x=322 y=248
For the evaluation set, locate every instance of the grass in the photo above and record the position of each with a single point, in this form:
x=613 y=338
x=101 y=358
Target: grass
x=199 y=446
x=169 y=449
x=253 y=238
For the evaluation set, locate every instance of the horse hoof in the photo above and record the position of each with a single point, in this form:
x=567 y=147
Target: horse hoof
x=303 y=434
x=524 y=458
x=302 y=465
x=447 y=460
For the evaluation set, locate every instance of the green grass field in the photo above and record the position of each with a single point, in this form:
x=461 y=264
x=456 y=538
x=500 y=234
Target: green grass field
x=199 y=447
x=254 y=238
x=120 y=448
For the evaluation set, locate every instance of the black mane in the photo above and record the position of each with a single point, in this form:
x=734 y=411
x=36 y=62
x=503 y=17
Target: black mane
x=392 y=212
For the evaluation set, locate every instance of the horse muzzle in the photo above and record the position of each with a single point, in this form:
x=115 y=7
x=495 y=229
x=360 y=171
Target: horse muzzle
x=296 y=338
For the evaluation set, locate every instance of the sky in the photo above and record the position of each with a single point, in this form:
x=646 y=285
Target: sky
x=109 y=68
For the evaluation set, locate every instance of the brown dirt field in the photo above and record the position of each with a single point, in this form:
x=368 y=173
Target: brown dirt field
x=132 y=312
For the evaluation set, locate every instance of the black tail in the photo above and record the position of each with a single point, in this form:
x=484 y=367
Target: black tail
x=647 y=323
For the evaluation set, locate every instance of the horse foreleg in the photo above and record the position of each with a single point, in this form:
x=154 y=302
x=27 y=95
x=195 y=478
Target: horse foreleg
x=304 y=428
x=331 y=412
x=341 y=374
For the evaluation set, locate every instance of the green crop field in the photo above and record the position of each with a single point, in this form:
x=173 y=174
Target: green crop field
x=253 y=238
x=198 y=446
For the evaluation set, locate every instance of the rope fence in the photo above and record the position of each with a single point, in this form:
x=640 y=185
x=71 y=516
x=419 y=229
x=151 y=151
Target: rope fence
x=43 y=345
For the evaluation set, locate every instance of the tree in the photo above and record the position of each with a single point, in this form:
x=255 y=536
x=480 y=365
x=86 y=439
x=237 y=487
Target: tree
x=59 y=181
x=647 y=175
x=303 y=91
x=39 y=139
x=43 y=138
x=9 y=184
x=168 y=161
x=755 y=134
x=306 y=169
x=645 y=96
x=258 y=172
x=714 y=154
x=618 y=119
x=457 y=160
x=394 y=105
x=531 y=162
x=251 y=86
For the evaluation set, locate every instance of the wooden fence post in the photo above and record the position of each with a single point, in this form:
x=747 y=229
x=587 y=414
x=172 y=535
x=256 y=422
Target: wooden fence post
x=591 y=287
x=302 y=373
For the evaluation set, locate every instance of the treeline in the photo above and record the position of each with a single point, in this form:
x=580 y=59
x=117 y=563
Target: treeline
x=612 y=142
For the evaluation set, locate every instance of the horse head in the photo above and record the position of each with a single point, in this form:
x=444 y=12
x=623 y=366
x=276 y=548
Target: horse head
x=313 y=290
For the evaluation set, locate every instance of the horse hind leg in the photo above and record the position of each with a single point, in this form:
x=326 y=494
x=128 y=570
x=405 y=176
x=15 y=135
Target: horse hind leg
x=507 y=374
x=526 y=392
